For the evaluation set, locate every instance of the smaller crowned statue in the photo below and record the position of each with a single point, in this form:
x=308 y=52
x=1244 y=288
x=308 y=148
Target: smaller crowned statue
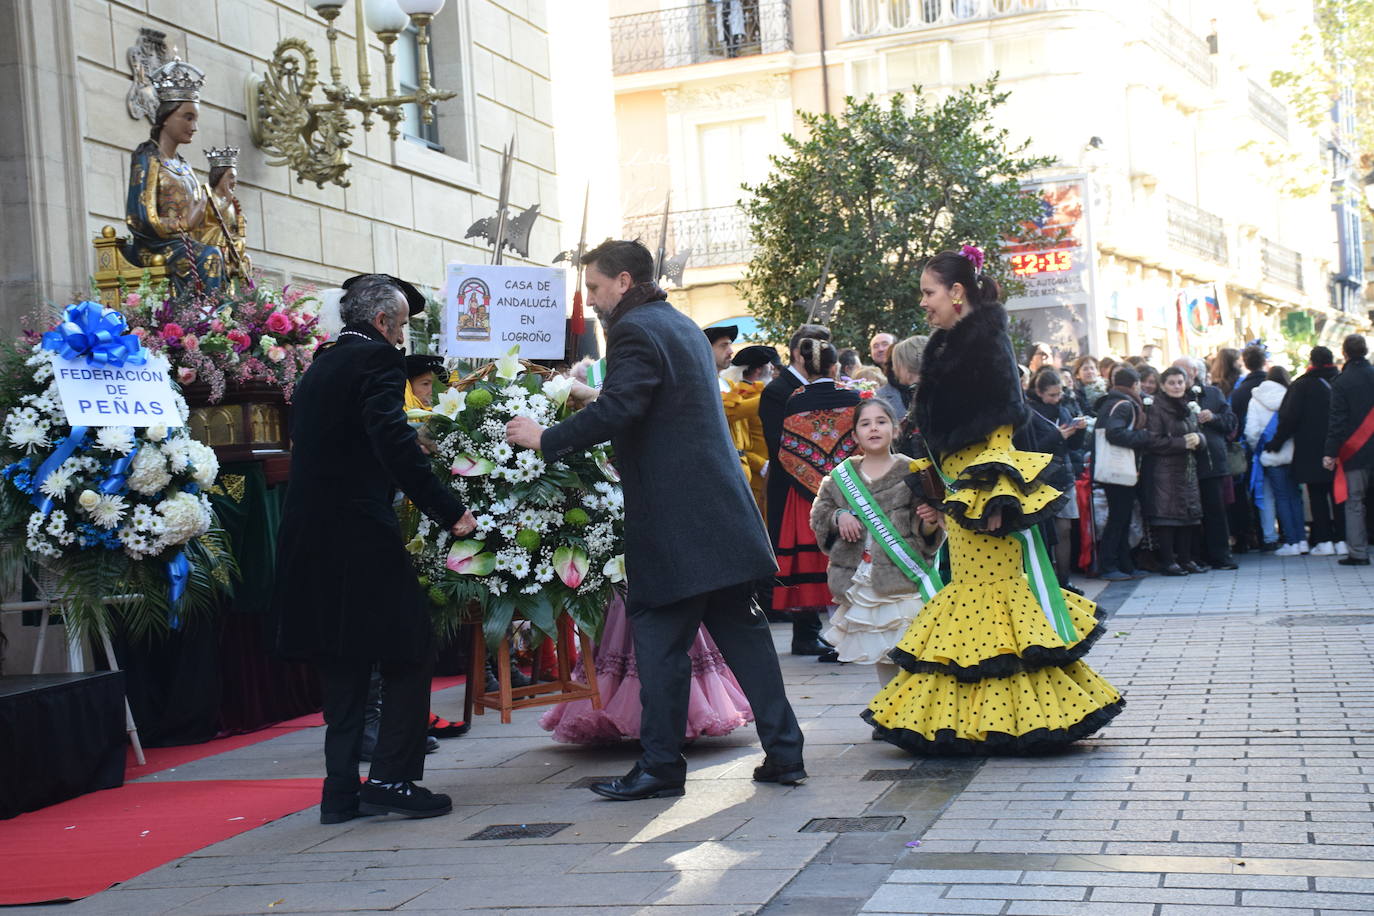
x=166 y=209
x=224 y=223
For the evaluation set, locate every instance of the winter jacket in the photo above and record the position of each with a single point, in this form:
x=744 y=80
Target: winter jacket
x=1352 y=398
x=895 y=498
x=1170 y=487
x=1265 y=401
x=1303 y=418
x=1067 y=452
x=1121 y=417
x=1240 y=395
x=1216 y=432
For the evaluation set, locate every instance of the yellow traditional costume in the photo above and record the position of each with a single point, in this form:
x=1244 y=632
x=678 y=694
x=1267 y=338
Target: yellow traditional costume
x=741 y=401
x=985 y=668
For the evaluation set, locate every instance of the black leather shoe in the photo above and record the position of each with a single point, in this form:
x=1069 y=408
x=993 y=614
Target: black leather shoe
x=1228 y=565
x=339 y=815
x=431 y=744
x=406 y=799
x=636 y=785
x=1173 y=569
x=1194 y=567
x=829 y=656
x=815 y=647
x=1353 y=561
x=788 y=774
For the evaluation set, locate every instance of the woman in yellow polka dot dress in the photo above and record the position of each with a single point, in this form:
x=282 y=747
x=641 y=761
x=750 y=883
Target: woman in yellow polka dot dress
x=992 y=664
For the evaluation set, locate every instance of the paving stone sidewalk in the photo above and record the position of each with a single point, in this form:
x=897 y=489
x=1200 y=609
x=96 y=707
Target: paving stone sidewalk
x=1237 y=781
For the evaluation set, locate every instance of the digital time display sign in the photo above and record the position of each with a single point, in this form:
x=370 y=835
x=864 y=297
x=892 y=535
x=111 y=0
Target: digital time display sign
x=1041 y=262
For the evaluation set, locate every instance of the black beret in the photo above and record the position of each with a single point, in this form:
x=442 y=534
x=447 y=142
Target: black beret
x=413 y=297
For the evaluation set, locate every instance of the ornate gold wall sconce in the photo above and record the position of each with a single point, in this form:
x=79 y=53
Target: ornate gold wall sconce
x=312 y=137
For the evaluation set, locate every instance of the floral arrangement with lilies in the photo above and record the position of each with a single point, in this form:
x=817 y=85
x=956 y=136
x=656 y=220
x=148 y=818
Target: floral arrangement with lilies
x=549 y=535
x=229 y=338
x=112 y=510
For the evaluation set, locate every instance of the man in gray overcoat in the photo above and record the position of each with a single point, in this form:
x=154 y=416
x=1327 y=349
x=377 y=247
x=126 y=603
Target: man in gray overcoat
x=694 y=543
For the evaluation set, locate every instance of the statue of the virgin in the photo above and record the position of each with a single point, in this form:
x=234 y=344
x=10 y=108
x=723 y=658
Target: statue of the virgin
x=224 y=222
x=167 y=206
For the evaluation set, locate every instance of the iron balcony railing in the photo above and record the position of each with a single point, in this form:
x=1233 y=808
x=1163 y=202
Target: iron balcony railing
x=1282 y=265
x=1182 y=45
x=699 y=33
x=716 y=235
x=1196 y=231
x=1268 y=110
x=875 y=17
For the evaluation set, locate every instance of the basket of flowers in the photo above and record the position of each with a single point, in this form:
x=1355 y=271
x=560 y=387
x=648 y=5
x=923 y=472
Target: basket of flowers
x=549 y=537
x=104 y=511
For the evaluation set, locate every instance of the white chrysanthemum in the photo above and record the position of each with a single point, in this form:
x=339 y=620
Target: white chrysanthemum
x=135 y=543
x=57 y=483
x=495 y=585
x=109 y=511
x=27 y=436
x=117 y=439
x=508 y=531
x=143 y=516
x=528 y=518
x=544 y=573
x=532 y=589
x=603 y=487
x=148 y=472
x=501 y=452
x=57 y=522
x=35 y=523
x=178 y=453
x=501 y=507
x=528 y=459
x=204 y=463
x=484 y=523
x=520 y=568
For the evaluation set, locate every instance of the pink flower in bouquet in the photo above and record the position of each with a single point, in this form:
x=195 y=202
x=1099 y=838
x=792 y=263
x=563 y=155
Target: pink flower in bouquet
x=139 y=332
x=240 y=340
x=132 y=300
x=172 y=332
x=276 y=354
x=191 y=342
x=278 y=323
x=186 y=375
x=217 y=326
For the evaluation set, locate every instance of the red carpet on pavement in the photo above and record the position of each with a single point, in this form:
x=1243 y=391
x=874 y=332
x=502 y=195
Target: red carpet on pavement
x=82 y=846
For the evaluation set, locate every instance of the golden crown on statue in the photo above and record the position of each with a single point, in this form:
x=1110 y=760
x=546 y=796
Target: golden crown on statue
x=223 y=156
x=177 y=81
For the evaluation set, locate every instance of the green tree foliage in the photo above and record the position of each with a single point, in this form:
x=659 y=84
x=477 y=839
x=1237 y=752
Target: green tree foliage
x=883 y=186
x=1337 y=53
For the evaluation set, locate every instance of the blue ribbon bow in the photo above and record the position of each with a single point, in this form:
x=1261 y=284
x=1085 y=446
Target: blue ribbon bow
x=97 y=334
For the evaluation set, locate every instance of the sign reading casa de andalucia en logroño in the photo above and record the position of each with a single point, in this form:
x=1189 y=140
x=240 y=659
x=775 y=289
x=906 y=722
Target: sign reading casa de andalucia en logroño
x=489 y=308
x=107 y=395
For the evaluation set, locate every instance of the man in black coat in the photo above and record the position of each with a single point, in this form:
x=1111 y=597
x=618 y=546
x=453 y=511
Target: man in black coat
x=1303 y=417
x=806 y=625
x=347 y=597
x=1217 y=423
x=1350 y=442
x=694 y=544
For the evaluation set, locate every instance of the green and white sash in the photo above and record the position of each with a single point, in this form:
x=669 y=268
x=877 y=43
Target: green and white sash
x=903 y=555
x=1040 y=575
x=1039 y=572
x=596 y=373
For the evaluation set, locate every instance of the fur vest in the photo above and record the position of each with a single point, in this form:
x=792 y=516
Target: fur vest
x=970 y=384
x=895 y=499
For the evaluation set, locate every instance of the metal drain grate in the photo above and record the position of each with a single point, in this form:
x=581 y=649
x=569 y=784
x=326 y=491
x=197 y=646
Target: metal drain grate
x=853 y=824
x=892 y=775
x=586 y=782
x=1327 y=620
x=517 y=831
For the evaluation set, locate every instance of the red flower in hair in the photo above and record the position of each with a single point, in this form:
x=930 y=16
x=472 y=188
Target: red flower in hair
x=865 y=394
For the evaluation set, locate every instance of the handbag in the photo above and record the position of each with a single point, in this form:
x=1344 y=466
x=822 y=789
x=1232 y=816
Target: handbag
x=1236 y=463
x=1114 y=464
x=1283 y=456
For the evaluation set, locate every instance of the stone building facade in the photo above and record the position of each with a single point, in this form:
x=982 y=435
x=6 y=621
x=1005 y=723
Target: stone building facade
x=67 y=134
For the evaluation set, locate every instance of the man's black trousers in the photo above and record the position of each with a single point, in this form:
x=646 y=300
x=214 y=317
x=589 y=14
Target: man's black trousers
x=664 y=635
x=400 y=751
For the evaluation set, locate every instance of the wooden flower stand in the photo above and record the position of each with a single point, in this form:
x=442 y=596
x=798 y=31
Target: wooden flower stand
x=545 y=693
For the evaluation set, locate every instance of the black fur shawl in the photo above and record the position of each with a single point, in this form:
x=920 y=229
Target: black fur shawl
x=970 y=384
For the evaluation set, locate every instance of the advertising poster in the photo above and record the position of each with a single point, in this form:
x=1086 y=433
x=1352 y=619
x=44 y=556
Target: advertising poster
x=489 y=308
x=1051 y=256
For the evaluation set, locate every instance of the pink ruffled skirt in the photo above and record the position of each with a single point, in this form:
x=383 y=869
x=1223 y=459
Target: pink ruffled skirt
x=717 y=705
